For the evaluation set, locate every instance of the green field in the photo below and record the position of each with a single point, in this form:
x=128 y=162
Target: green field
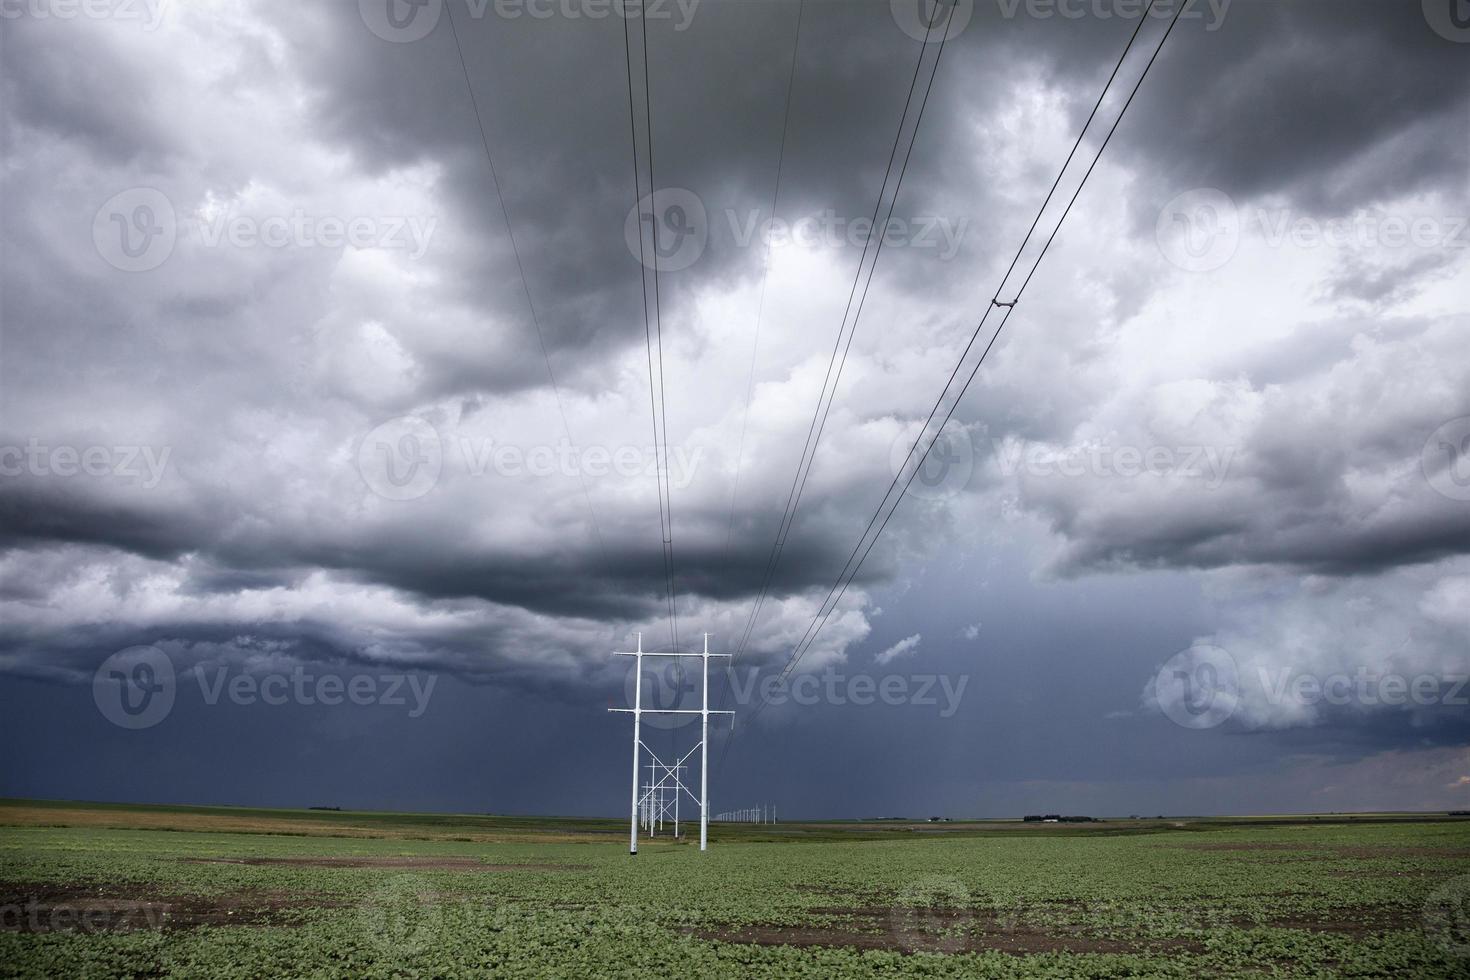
x=149 y=892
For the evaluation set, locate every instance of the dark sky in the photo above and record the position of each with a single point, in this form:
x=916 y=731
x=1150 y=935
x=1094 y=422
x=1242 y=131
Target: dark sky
x=273 y=404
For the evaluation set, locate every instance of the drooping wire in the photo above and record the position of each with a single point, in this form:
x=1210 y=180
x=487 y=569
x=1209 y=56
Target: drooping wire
x=840 y=350
x=655 y=384
x=761 y=305
x=845 y=578
x=850 y=570
x=830 y=382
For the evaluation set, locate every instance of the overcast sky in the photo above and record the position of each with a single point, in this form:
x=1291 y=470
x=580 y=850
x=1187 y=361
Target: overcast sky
x=274 y=405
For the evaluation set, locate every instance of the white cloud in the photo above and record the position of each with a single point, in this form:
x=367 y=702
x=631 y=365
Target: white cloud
x=903 y=648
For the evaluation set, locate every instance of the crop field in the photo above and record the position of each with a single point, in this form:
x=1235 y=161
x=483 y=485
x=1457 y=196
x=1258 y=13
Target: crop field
x=105 y=891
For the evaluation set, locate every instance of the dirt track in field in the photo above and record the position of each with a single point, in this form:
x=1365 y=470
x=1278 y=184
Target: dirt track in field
x=39 y=908
x=392 y=862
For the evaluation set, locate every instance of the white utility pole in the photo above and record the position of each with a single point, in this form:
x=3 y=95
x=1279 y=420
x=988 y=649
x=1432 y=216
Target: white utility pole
x=704 y=755
x=652 y=802
x=637 y=715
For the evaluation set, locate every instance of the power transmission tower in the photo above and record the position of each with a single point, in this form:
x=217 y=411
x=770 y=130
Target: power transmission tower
x=653 y=804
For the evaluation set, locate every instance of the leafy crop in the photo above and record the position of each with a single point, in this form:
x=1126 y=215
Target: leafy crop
x=1295 y=900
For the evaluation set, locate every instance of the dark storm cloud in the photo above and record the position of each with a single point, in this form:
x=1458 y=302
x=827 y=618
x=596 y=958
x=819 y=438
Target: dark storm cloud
x=554 y=100
x=555 y=106
x=1336 y=104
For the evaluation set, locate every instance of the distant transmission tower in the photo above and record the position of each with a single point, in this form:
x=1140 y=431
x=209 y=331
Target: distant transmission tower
x=659 y=797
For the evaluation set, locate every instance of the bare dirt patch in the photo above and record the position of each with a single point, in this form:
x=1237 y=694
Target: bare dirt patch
x=333 y=825
x=1387 y=851
x=38 y=908
x=1354 y=920
x=1248 y=846
x=391 y=862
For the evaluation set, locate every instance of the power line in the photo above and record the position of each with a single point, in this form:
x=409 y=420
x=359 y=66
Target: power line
x=830 y=381
x=846 y=577
x=824 y=401
x=658 y=312
x=819 y=621
x=521 y=270
x=761 y=306
x=655 y=389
